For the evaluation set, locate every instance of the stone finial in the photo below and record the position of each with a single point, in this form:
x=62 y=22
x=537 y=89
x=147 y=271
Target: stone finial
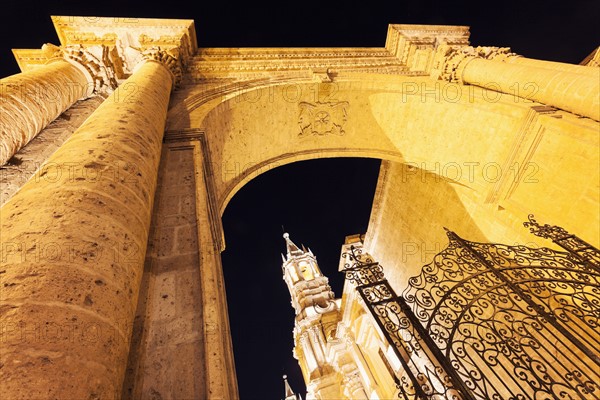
x=289 y=393
x=169 y=58
x=450 y=61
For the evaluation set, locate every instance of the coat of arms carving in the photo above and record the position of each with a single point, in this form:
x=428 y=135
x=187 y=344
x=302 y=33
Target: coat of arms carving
x=322 y=118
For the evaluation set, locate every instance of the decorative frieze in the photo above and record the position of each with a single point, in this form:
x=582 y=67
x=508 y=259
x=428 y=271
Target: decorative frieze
x=97 y=64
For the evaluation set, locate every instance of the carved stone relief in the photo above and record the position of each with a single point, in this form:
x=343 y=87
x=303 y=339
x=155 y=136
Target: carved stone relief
x=322 y=118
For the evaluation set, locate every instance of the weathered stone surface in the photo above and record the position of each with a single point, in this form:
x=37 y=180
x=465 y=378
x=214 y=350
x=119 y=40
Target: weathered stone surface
x=167 y=357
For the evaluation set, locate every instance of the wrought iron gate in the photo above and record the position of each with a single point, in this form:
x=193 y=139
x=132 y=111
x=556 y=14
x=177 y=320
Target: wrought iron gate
x=491 y=321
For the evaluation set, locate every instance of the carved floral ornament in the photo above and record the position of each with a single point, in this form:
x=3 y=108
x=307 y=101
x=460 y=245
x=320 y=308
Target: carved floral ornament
x=322 y=118
x=169 y=58
x=93 y=61
x=100 y=66
x=450 y=61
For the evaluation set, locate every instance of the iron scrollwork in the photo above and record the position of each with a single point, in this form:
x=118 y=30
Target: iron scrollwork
x=513 y=321
x=492 y=321
x=424 y=375
x=573 y=244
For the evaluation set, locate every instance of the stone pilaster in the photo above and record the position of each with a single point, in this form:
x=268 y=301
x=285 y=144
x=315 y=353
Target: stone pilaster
x=73 y=250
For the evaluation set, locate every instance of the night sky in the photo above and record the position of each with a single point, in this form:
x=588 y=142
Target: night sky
x=332 y=198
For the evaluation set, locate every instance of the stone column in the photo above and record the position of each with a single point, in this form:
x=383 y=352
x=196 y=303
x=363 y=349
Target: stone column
x=578 y=93
x=592 y=72
x=29 y=101
x=73 y=241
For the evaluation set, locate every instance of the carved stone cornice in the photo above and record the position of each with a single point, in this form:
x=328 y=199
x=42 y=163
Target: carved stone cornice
x=319 y=64
x=94 y=62
x=415 y=45
x=169 y=58
x=140 y=33
x=409 y=50
x=109 y=49
x=450 y=61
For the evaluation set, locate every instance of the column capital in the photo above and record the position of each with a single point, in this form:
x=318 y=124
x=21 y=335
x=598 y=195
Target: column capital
x=450 y=61
x=169 y=58
x=109 y=49
x=94 y=62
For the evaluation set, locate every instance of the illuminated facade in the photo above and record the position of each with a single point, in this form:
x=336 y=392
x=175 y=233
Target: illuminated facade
x=342 y=354
x=122 y=146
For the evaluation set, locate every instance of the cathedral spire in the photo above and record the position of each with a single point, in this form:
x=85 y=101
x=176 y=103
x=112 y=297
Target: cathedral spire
x=292 y=249
x=289 y=393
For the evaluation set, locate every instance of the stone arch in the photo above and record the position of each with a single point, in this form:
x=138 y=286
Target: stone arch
x=493 y=154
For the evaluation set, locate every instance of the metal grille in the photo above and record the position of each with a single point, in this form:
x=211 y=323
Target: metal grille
x=424 y=375
x=491 y=321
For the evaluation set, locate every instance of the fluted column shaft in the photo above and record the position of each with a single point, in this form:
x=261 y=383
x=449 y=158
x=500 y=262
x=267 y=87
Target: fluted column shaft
x=577 y=93
x=73 y=242
x=29 y=101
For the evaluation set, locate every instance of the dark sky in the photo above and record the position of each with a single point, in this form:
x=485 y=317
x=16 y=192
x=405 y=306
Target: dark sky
x=332 y=197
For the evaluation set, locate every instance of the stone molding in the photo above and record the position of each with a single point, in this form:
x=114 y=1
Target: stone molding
x=352 y=382
x=593 y=59
x=318 y=64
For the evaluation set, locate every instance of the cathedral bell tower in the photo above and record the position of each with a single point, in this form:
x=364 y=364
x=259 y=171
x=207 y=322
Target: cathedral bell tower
x=308 y=287
x=317 y=317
